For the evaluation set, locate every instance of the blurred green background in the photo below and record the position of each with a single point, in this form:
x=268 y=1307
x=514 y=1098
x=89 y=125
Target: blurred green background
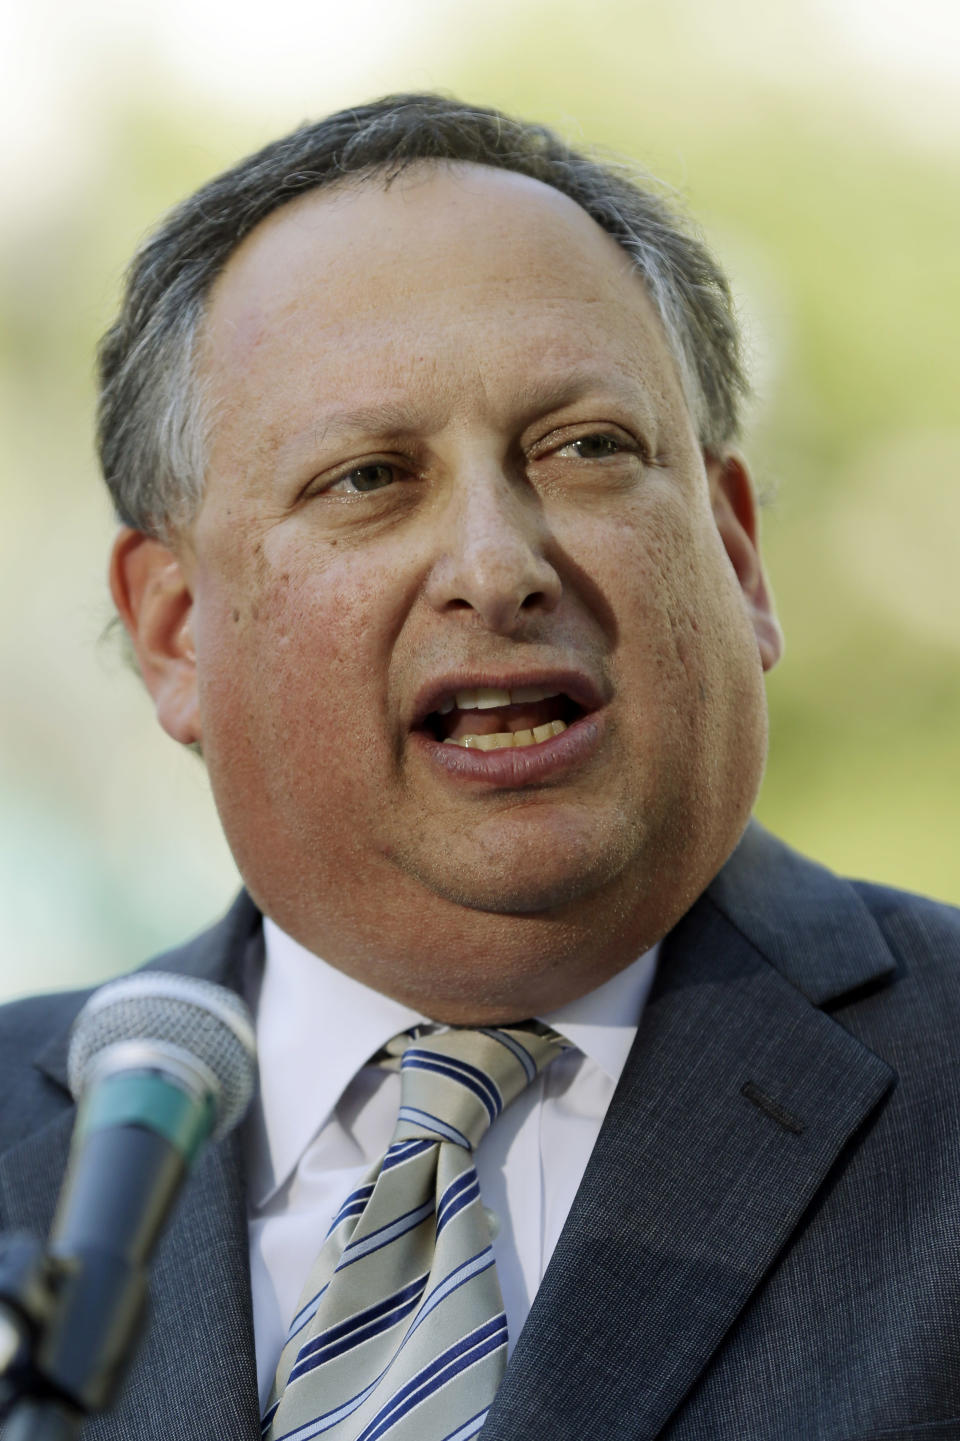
x=819 y=146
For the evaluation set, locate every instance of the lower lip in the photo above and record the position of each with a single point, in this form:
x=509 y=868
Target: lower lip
x=518 y=766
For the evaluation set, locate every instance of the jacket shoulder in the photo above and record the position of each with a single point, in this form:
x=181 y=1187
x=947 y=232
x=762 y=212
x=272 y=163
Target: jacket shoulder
x=923 y=938
x=34 y=1032
x=28 y=1097
x=912 y=1020
x=916 y=928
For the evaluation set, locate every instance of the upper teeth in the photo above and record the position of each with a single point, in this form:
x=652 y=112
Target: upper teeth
x=488 y=697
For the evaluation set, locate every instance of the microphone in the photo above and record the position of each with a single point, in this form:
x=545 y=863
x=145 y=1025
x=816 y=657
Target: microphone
x=158 y=1064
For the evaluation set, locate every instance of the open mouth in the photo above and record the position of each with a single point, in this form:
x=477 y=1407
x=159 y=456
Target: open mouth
x=486 y=718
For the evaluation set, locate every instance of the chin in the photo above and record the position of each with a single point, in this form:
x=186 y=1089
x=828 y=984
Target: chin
x=532 y=876
x=514 y=898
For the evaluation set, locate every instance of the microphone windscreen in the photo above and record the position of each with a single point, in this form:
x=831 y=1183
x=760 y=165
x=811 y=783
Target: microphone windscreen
x=207 y=1021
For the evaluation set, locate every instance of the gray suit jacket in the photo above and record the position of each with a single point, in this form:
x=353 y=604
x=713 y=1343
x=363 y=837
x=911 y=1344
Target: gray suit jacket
x=765 y=1245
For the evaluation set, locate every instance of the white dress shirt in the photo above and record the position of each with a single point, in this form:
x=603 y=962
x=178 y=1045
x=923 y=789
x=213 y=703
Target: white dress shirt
x=323 y=1117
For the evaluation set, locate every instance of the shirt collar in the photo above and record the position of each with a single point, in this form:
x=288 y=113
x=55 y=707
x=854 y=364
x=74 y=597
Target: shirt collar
x=307 y=1055
x=603 y=1023
x=300 y=1021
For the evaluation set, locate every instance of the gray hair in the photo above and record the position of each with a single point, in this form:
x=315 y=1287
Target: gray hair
x=152 y=423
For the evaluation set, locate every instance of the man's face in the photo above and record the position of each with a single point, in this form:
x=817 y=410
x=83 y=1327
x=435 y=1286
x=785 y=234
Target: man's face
x=451 y=454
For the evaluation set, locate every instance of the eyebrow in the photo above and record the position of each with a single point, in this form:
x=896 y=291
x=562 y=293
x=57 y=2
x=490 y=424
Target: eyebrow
x=401 y=417
x=381 y=418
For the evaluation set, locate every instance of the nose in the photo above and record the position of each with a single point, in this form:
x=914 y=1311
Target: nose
x=492 y=557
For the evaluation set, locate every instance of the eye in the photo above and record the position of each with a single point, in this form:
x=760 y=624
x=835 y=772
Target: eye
x=593 y=447
x=363 y=479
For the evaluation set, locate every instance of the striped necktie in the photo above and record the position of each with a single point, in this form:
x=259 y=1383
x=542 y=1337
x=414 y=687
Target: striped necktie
x=400 y=1330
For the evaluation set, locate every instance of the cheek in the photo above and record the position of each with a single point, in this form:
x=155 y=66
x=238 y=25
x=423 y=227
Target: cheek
x=685 y=641
x=296 y=769
x=714 y=643
x=287 y=659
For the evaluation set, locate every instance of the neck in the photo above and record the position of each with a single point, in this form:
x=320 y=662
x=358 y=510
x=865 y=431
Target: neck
x=475 y=968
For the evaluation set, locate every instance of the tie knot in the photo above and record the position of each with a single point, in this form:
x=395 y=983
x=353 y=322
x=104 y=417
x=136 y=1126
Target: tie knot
x=456 y=1083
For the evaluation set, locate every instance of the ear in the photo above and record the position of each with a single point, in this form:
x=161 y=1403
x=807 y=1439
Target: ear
x=735 y=512
x=151 y=593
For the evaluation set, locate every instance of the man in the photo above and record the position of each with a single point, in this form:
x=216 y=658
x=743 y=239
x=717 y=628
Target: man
x=435 y=543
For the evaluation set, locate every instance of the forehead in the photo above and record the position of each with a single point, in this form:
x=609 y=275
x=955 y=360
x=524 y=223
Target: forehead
x=461 y=269
x=429 y=215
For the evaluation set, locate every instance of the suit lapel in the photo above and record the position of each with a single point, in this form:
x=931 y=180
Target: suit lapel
x=738 y=1098
x=194 y=1373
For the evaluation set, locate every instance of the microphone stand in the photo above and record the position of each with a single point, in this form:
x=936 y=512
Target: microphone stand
x=35 y=1420
x=36 y=1403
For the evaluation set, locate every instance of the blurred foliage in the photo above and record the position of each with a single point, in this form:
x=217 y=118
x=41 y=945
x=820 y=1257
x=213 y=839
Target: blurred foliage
x=841 y=235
